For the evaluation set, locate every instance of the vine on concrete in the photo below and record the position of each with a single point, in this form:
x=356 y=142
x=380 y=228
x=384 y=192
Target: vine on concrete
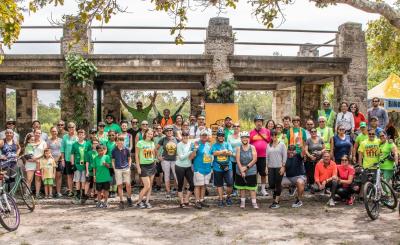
x=79 y=74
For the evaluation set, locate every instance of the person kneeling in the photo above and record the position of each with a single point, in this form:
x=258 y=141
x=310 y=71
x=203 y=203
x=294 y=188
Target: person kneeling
x=326 y=176
x=346 y=175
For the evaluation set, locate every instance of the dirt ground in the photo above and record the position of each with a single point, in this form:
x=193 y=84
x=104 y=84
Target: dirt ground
x=314 y=223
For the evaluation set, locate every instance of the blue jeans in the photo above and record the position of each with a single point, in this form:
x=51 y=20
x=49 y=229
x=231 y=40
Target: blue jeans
x=220 y=177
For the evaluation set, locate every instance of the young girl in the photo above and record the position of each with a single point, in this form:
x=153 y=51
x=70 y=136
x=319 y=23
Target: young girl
x=48 y=170
x=30 y=165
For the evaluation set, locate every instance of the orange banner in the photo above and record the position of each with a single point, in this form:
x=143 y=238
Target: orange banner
x=216 y=113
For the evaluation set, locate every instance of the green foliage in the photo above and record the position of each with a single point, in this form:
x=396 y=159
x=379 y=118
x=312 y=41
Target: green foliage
x=79 y=73
x=383 y=51
x=328 y=92
x=11 y=105
x=223 y=93
x=48 y=114
x=252 y=103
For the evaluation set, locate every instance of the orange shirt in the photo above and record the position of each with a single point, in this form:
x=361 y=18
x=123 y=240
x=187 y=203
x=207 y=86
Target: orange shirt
x=323 y=173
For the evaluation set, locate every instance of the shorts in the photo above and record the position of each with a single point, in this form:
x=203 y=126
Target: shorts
x=48 y=181
x=90 y=180
x=122 y=176
x=68 y=168
x=59 y=167
x=148 y=170
x=287 y=181
x=249 y=182
x=201 y=179
x=261 y=166
x=30 y=166
x=79 y=176
x=221 y=177
x=158 y=169
x=103 y=186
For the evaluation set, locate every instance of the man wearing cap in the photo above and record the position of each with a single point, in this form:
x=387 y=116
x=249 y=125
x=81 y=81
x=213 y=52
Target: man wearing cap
x=222 y=167
x=202 y=163
x=373 y=124
x=10 y=124
x=228 y=127
x=378 y=112
x=325 y=132
x=201 y=125
x=111 y=125
x=260 y=138
x=360 y=138
x=328 y=113
x=140 y=113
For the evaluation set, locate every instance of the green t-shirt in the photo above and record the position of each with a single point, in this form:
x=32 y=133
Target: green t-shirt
x=88 y=145
x=140 y=115
x=386 y=149
x=113 y=126
x=303 y=137
x=360 y=138
x=78 y=150
x=66 y=146
x=102 y=172
x=370 y=151
x=89 y=158
x=227 y=133
x=146 y=151
x=103 y=139
x=110 y=146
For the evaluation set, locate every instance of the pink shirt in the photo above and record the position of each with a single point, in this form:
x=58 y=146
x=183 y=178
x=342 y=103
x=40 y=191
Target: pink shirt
x=259 y=143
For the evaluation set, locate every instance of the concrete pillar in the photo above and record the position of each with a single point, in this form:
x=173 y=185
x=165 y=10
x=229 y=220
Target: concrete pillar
x=111 y=103
x=196 y=101
x=308 y=51
x=3 y=104
x=69 y=45
x=219 y=44
x=352 y=87
x=282 y=104
x=26 y=103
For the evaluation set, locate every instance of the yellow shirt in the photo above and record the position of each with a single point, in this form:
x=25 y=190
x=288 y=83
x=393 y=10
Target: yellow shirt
x=48 y=165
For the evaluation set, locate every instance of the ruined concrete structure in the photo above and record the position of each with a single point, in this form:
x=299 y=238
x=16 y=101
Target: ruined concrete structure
x=303 y=74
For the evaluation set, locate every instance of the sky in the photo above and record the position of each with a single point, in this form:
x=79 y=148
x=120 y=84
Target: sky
x=300 y=15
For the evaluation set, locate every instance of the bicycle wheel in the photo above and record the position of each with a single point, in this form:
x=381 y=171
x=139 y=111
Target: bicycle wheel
x=9 y=218
x=389 y=197
x=26 y=195
x=372 y=205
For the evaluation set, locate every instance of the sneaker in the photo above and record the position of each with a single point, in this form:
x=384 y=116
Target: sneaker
x=229 y=202
x=331 y=202
x=264 y=193
x=50 y=197
x=121 y=205
x=274 y=205
x=59 y=195
x=130 y=204
x=204 y=204
x=182 y=205
x=70 y=194
x=297 y=204
x=234 y=193
x=198 y=205
x=242 y=204
x=141 y=205
x=350 y=201
x=105 y=205
x=112 y=194
x=98 y=204
x=148 y=205
x=76 y=201
x=221 y=204
x=168 y=196
x=255 y=206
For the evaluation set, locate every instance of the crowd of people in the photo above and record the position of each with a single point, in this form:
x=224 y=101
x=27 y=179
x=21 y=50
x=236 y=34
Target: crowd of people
x=183 y=156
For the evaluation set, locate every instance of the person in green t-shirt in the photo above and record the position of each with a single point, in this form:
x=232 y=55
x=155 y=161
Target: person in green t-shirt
x=145 y=156
x=368 y=152
x=388 y=148
x=325 y=132
x=101 y=175
x=90 y=155
x=110 y=144
x=111 y=125
x=360 y=138
x=228 y=127
x=66 y=145
x=140 y=113
x=101 y=134
x=78 y=162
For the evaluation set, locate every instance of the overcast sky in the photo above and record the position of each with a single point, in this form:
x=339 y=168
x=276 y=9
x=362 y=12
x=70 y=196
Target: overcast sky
x=301 y=15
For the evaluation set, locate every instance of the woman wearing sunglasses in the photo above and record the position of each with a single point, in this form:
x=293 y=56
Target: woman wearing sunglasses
x=340 y=144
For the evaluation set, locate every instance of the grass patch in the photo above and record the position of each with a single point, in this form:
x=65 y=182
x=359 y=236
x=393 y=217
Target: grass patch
x=301 y=235
x=66 y=227
x=219 y=232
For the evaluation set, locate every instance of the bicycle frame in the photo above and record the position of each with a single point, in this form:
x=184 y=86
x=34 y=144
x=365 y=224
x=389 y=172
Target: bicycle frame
x=17 y=182
x=378 y=185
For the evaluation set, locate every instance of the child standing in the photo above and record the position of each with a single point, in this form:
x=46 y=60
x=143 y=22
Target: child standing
x=78 y=160
x=89 y=160
x=48 y=171
x=101 y=175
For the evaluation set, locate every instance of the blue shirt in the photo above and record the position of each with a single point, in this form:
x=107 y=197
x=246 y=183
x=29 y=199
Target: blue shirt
x=203 y=160
x=342 y=147
x=121 y=157
x=221 y=160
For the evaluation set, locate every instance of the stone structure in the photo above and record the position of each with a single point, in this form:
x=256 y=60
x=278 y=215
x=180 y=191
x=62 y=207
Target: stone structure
x=220 y=45
x=352 y=86
x=69 y=45
x=26 y=108
x=111 y=103
x=196 y=101
x=282 y=104
x=3 y=97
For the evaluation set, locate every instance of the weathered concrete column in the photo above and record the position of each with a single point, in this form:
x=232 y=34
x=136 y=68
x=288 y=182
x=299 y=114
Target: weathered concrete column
x=196 y=101
x=26 y=110
x=69 y=45
x=111 y=103
x=282 y=104
x=220 y=44
x=352 y=87
x=3 y=104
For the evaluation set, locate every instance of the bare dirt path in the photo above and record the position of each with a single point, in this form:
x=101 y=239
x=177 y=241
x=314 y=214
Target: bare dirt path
x=167 y=224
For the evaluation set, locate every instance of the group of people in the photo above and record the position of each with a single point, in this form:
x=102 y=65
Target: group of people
x=108 y=158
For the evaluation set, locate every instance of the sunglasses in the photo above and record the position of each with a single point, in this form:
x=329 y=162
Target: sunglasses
x=375 y=101
x=145 y=124
x=71 y=127
x=236 y=126
x=101 y=126
x=134 y=122
x=326 y=104
x=381 y=136
x=313 y=131
x=60 y=125
x=10 y=123
x=158 y=128
x=371 y=134
x=111 y=135
x=321 y=121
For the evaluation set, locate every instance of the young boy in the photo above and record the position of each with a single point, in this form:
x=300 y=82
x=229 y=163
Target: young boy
x=90 y=155
x=121 y=162
x=48 y=171
x=78 y=160
x=101 y=175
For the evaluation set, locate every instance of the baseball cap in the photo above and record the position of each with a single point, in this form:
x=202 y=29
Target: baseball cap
x=363 y=124
x=204 y=132
x=228 y=117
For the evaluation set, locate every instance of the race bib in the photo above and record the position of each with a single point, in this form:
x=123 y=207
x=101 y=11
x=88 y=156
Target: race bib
x=207 y=158
x=222 y=158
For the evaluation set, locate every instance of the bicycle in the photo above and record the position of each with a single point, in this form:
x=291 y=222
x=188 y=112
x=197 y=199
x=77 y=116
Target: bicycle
x=16 y=185
x=9 y=212
x=377 y=191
